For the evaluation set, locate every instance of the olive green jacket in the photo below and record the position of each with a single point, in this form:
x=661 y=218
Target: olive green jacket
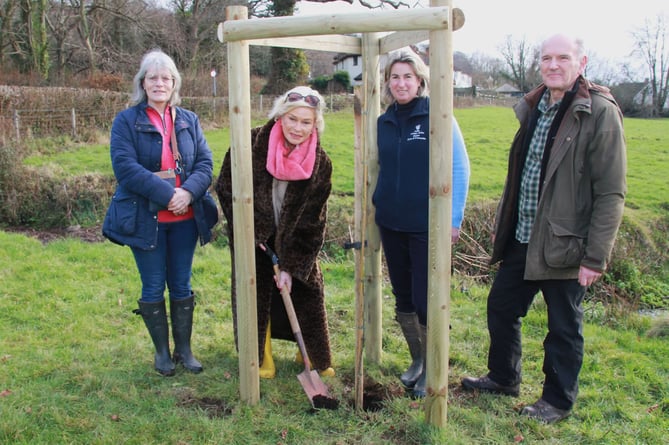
x=581 y=202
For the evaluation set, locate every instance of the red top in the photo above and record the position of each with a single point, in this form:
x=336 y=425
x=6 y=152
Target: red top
x=165 y=126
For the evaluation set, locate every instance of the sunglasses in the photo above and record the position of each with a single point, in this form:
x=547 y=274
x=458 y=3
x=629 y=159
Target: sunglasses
x=310 y=99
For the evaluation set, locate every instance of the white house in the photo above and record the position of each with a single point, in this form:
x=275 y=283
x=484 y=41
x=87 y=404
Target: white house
x=352 y=63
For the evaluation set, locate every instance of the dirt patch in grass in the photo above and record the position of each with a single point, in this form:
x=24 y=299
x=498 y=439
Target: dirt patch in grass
x=212 y=407
x=87 y=234
x=374 y=394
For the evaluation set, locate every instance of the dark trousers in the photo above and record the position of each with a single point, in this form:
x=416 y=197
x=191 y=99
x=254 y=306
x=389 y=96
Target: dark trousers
x=509 y=299
x=170 y=262
x=406 y=257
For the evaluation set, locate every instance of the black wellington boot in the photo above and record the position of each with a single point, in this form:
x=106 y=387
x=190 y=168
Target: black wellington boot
x=155 y=319
x=181 y=313
x=409 y=324
x=419 y=387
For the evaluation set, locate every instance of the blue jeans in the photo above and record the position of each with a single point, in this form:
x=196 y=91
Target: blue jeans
x=509 y=300
x=170 y=262
x=406 y=257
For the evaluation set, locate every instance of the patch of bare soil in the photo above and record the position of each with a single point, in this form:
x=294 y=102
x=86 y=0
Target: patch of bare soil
x=214 y=408
x=375 y=394
x=87 y=234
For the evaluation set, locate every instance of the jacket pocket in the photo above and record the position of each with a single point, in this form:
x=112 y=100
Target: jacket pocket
x=565 y=246
x=121 y=215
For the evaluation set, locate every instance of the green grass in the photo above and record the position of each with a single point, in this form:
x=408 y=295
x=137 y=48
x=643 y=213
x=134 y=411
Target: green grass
x=648 y=167
x=337 y=140
x=76 y=364
x=487 y=131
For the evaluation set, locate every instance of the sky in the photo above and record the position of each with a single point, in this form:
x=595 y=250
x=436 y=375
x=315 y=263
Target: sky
x=604 y=26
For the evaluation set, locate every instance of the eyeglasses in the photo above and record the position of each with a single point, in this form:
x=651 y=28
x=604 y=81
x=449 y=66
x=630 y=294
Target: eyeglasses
x=310 y=99
x=155 y=79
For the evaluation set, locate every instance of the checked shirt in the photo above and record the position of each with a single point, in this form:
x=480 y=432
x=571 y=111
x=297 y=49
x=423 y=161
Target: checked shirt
x=529 y=184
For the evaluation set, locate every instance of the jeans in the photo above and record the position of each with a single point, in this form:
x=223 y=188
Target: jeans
x=406 y=257
x=170 y=262
x=509 y=299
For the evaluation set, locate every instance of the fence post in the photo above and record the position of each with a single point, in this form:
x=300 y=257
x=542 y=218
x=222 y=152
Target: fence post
x=16 y=126
x=74 y=124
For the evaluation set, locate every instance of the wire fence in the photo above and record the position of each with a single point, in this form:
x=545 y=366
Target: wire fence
x=17 y=124
x=78 y=113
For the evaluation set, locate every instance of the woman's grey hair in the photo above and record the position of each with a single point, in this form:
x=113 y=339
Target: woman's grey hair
x=282 y=105
x=155 y=58
x=419 y=68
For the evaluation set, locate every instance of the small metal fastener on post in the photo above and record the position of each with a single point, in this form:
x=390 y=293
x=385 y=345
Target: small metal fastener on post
x=354 y=245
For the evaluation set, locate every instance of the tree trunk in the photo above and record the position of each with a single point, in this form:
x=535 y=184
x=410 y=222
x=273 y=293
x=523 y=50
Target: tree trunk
x=289 y=66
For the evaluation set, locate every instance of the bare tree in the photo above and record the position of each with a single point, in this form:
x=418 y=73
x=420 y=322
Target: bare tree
x=487 y=71
x=522 y=59
x=289 y=66
x=84 y=30
x=61 y=21
x=608 y=72
x=24 y=35
x=65 y=38
x=8 y=9
x=376 y=4
x=652 y=45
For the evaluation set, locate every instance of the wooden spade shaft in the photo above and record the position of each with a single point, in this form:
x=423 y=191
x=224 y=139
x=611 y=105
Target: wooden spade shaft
x=310 y=380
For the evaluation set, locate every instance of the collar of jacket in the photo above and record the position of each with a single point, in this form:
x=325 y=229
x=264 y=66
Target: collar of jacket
x=421 y=108
x=180 y=121
x=534 y=96
x=582 y=98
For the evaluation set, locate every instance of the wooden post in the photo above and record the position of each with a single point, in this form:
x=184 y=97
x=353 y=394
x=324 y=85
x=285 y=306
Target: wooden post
x=17 y=125
x=359 y=250
x=242 y=207
x=373 y=272
x=281 y=31
x=73 y=117
x=439 y=258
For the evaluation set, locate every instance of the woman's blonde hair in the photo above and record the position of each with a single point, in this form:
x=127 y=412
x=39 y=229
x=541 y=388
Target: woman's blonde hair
x=155 y=58
x=300 y=97
x=419 y=68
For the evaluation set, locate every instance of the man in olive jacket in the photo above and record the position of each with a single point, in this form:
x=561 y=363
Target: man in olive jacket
x=555 y=225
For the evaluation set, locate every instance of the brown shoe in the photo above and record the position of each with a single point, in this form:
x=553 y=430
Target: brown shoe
x=544 y=412
x=485 y=384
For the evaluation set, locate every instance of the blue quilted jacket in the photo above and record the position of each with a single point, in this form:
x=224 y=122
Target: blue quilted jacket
x=136 y=148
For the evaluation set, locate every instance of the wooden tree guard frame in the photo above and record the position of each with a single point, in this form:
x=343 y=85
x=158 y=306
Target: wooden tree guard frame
x=329 y=33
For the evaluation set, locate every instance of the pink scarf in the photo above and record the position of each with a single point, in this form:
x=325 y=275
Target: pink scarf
x=286 y=164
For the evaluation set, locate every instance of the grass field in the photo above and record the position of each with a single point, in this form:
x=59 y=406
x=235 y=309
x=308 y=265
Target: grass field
x=76 y=364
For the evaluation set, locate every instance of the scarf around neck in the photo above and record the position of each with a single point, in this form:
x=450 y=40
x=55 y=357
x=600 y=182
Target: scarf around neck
x=286 y=164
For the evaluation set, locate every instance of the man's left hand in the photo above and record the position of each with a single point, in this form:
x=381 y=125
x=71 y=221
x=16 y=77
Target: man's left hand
x=587 y=277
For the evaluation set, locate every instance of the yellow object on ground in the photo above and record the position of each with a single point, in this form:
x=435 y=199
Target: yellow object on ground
x=267 y=370
x=329 y=372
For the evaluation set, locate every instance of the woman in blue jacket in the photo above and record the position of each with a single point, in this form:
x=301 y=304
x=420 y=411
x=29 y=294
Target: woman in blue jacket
x=401 y=199
x=161 y=207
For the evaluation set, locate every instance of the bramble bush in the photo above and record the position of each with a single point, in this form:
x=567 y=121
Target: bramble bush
x=44 y=198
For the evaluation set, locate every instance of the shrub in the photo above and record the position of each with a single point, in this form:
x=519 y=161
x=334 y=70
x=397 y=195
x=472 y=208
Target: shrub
x=342 y=78
x=320 y=83
x=106 y=81
x=41 y=198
